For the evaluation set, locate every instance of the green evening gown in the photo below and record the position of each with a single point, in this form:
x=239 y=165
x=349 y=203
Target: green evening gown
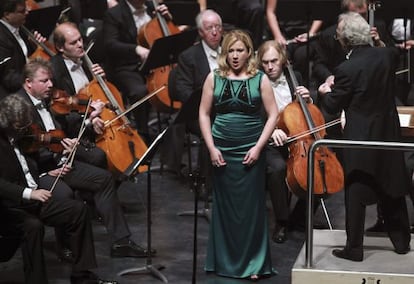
x=238 y=244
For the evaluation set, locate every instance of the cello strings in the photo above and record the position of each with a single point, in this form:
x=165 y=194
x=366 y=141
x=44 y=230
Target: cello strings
x=316 y=129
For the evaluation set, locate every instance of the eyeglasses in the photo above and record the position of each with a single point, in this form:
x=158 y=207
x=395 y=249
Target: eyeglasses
x=216 y=28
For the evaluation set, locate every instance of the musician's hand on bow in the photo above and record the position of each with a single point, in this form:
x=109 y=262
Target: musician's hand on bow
x=279 y=137
x=98 y=70
x=302 y=38
x=142 y=52
x=217 y=159
x=330 y=80
x=97 y=106
x=68 y=145
x=38 y=37
x=62 y=171
x=98 y=125
x=42 y=195
x=251 y=156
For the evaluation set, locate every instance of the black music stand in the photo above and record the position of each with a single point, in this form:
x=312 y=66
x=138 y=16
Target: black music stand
x=43 y=20
x=165 y=50
x=146 y=159
x=189 y=112
x=183 y=12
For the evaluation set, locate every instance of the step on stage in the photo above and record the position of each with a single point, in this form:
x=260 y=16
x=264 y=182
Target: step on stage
x=380 y=265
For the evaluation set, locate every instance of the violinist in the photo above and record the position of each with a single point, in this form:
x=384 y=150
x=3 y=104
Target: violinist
x=121 y=26
x=14 y=45
x=272 y=58
x=371 y=176
x=26 y=205
x=82 y=177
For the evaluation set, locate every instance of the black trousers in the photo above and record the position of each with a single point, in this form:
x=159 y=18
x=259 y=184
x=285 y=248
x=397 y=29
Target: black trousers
x=87 y=178
x=360 y=192
x=28 y=222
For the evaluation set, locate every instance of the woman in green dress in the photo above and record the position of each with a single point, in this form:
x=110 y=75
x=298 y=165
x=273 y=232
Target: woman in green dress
x=236 y=93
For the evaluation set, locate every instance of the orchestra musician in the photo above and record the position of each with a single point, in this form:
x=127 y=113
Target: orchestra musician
x=272 y=59
x=26 y=206
x=371 y=176
x=71 y=74
x=121 y=26
x=82 y=177
x=14 y=45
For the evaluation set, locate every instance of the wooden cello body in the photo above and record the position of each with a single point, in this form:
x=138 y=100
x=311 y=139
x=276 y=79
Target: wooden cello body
x=121 y=143
x=153 y=30
x=299 y=117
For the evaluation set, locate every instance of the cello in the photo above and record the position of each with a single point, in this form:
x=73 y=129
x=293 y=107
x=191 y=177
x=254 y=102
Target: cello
x=299 y=117
x=155 y=29
x=120 y=142
x=44 y=49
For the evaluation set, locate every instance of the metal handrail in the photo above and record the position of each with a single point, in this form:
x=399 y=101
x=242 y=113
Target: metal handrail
x=350 y=144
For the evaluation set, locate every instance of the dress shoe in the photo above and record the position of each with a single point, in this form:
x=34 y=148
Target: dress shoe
x=129 y=249
x=88 y=277
x=346 y=254
x=65 y=255
x=378 y=227
x=404 y=250
x=279 y=235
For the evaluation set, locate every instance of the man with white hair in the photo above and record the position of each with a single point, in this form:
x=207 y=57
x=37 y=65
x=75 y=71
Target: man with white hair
x=364 y=90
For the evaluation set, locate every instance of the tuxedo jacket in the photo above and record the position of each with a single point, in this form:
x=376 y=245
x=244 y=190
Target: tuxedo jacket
x=364 y=89
x=329 y=52
x=120 y=38
x=12 y=179
x=11 y=77
x=191 y=71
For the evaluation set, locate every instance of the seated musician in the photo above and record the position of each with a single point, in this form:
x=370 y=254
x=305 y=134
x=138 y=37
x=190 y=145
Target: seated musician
x=26 y=205
x=82 y=176
x=125 y=55
x=272 y=60
x=14 y=45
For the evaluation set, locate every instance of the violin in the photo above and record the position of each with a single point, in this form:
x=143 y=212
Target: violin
x=299 y=117
x=62 y=103
x=36 y=138
x=153 y=30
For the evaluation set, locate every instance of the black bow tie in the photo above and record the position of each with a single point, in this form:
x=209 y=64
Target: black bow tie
x=40 y=105
x=76 y=66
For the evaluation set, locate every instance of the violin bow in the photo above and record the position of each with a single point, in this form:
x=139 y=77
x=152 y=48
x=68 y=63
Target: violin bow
x=136 y=104
x=71 y=155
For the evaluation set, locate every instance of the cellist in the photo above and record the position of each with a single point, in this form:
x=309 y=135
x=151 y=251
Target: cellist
x=121 y=26
x=71 y=75
x=272 y=58
x=14 y=45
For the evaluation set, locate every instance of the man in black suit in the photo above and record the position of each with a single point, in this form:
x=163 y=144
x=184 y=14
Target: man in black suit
x=14 y=46
x=371 y=176
x=125 y=55
x=194 y=64
x=26 y=206
x=83 y=177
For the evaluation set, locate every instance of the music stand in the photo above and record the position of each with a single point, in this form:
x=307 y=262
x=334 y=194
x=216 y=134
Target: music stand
x=131 y=170
x=43 y=20
x=165 y=50
x=183 y=12
x=189 y=112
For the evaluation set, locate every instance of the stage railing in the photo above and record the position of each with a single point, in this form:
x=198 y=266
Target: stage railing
x=354 y=144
